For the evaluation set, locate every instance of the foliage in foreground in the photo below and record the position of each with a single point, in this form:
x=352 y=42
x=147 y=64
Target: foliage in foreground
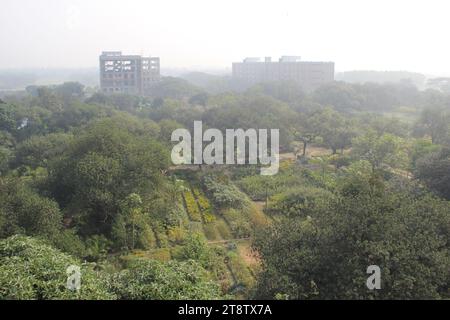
x=325 y=255
x=31 y=269
x=155 y=280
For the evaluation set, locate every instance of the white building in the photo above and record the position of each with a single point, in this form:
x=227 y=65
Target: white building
x=309 y=75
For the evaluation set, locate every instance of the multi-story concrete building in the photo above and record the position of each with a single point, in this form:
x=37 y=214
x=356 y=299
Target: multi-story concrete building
x=127 y=73
x=309 y=75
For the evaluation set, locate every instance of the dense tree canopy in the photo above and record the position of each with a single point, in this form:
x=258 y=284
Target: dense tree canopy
x=434 y=170
x=325 y=254
x=363 y=180
x=103 y=166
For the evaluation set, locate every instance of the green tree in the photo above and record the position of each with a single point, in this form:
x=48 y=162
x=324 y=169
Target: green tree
x=38 y=151
x=196 y=248
x=22 y=210
x=298 y=201
x=7 y=118
x=434 y=122
x=343 y=96
x=336 y=131
x=421 y=148
x=325 y=255
x=70 y=90
x=386 y=149
x=167 y=126
x=434 y=170
x=106 y=163
x=131 y=228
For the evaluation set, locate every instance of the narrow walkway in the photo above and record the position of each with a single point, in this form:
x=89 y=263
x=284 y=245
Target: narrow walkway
x=229 y=240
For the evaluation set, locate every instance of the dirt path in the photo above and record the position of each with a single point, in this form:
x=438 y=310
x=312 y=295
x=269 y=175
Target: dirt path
x=311 y=151
x=229 y=240
x=249 y=256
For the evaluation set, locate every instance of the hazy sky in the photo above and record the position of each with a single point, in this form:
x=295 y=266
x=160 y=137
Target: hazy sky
x=356 y=34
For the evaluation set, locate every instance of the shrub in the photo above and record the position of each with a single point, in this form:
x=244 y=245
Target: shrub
x=225 y=195
x=161 y=236
x=173 y=280
x=208 y=217
x=299 y=201
x=257 y=187
x=196 y=248
x=223 y=229
x=32 y=269
x=238 y=222
x=178 y=214
x=97 y=247
x=340 y=160
x=204 y=205
x=176 y=234
x=203 y=202
x=191 y=206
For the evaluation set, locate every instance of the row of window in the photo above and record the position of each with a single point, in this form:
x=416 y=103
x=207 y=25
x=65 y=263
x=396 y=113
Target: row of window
x=119 y=75
x=117 y=89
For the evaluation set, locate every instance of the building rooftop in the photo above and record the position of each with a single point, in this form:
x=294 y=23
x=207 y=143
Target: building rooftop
x=282 y=59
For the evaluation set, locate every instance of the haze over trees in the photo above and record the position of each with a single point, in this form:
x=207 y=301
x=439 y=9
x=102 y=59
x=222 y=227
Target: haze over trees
x=86 y=179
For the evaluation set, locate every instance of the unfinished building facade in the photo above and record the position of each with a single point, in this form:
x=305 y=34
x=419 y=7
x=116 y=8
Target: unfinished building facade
x=131 y=74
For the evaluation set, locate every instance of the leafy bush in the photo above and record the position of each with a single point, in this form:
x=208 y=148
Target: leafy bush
x=204 y=205
x=162 y=239
x=173 y=280
x=131 y=228
x=238 y=222
x=69 y=242
x=299 y=201
x=196 y=248
x=176 y=234
x=203 y=202
x=340 y=160
x=225 y=194
x=31 y=269
x=22 y=210
x=97 y=247
x=208 y=217
x=257 y=187
x=178 y=214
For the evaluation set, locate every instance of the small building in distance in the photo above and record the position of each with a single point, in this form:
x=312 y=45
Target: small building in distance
x=132 y=74
x=308 y=74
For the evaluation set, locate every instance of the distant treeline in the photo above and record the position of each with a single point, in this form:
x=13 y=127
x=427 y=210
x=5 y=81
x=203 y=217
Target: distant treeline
x=21 y=78
x=417 y=79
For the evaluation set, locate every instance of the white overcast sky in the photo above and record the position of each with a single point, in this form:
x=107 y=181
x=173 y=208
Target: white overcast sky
x=356 y=34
